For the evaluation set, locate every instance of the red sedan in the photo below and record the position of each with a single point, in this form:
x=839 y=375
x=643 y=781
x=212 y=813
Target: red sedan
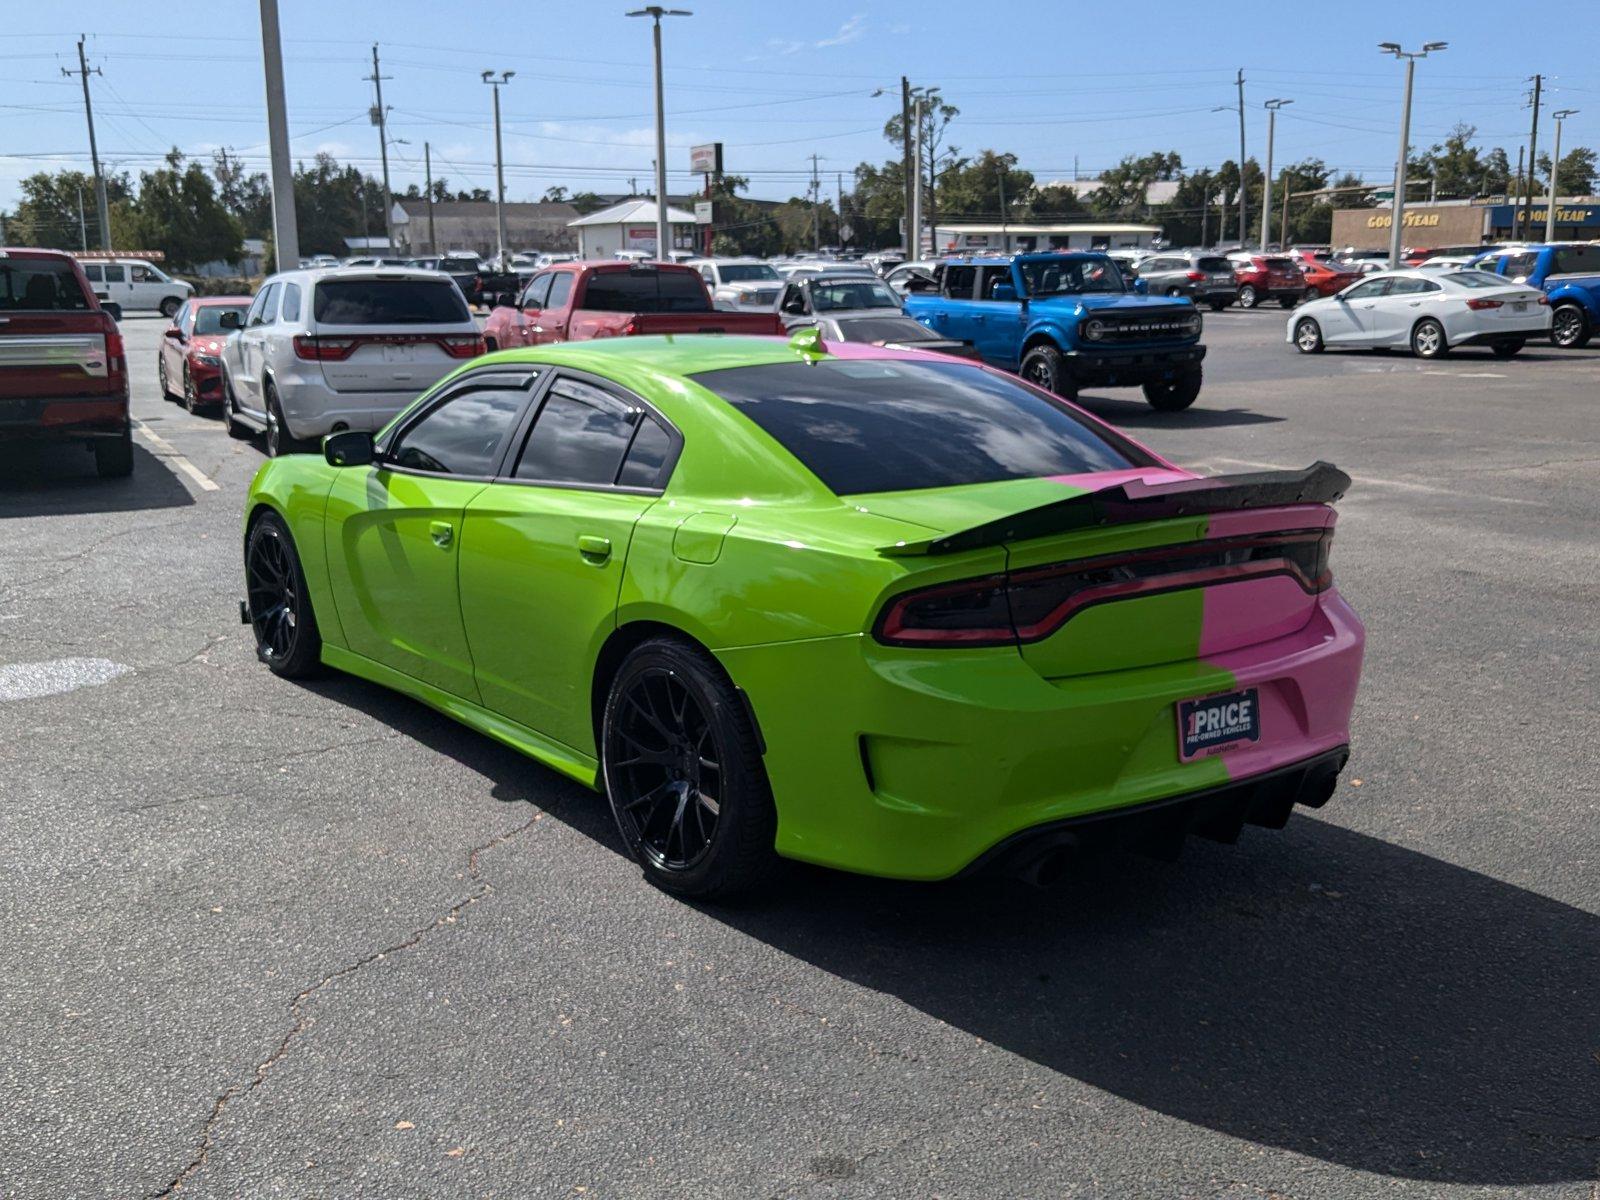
x=1322 y=278
x=190 y=361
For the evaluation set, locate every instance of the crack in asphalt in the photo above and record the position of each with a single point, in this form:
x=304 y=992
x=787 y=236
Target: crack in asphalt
x=302 y=1020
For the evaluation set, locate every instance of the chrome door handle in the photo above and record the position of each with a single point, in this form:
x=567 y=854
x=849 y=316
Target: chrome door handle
x=594 y=549
x=443 y=533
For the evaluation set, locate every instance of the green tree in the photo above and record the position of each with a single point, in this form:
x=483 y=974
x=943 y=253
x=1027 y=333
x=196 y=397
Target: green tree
x=937 y=157
x=178 y=213
x=1455 y=167
x=47 y=214
x=1123 y=189
x=333 y=202
x=1056 y=202
x=586 y=202
x=245 y=194
x=1576 y=176
x=1496 y=172
x=970 y=190
x=554 y=195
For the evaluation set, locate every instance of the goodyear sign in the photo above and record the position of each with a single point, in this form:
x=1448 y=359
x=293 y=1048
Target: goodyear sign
x=1412 y=220
x=1502 y=216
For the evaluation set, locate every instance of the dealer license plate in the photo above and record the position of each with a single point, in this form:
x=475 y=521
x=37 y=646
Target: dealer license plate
x=1213 y=724
x=1519 y=306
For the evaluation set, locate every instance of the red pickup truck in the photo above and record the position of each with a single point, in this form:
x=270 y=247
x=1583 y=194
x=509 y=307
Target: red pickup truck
x=63 y=370
x=576 y=301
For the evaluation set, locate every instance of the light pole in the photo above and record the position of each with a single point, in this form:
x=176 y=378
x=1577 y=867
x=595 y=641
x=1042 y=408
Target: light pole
x=1222 y=195
x=663 y=227
x=1272 y=107
x=285 y=230
x=1399 y=210
x=1558 y=116
x=497 y=82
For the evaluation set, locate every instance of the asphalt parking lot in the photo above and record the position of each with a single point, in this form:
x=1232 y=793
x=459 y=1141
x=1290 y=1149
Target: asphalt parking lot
x=266 y=939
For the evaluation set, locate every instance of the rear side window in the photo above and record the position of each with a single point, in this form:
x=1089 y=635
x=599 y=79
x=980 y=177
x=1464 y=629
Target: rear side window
x=1213 y=264
x=1577 y=260
x=463 y=435
x=116 y=273
x=958 y=282
x=388 y=302
x=1520 y=264
x=646 y=457
x=208 y=318
x=266 y=304
x=291 y=303
x=889 y=426
x=645 y=291
x=580 y=437
x=95 y=272
x=40 y=285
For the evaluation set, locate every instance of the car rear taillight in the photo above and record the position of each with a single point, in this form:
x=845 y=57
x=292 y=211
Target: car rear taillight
x=116 y=353
x=1480 y=305
x=465 y=345
x=631 y=328
x=324 y=349
x=1197 y=276
x=1028 y=606
x=1545 y=300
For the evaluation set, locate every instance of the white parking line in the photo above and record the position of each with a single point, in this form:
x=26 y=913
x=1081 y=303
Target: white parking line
x=166 y=450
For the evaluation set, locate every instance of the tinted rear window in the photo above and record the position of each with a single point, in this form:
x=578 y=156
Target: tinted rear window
x=1213 y=264
x=645 y=291
x=886 y=329
x=40 y=285
x=389 y=302
x=889 y=426
x=1278 y=264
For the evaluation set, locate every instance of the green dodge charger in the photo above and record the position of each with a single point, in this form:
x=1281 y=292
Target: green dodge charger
x=880 y=610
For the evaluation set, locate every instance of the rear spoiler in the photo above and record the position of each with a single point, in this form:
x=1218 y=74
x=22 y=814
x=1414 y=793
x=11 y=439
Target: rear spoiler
x=1320 y=483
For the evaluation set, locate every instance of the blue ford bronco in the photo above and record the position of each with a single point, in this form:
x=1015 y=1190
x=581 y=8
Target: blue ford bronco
x=1069 y=320
x=1568 y=273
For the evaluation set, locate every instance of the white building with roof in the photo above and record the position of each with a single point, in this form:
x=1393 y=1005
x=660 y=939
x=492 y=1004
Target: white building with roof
x=1028 y=236
x=630 y=225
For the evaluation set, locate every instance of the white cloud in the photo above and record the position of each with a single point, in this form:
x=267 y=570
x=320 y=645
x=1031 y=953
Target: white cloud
x=848 y=32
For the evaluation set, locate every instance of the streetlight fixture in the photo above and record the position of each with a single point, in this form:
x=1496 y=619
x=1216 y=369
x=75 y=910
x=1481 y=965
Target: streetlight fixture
x=663 y=228
x=1399 y=210
x=1558 y=116
x=497 y=82
x=1272 y=107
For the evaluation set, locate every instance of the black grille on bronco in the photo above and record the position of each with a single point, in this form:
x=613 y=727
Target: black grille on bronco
x=1154 y=325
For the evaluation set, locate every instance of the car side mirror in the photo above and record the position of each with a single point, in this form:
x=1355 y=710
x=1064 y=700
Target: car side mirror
x=1004 y=291
x=231 y=320
x=348 y=448
x=173 y=332
x=1141 y=287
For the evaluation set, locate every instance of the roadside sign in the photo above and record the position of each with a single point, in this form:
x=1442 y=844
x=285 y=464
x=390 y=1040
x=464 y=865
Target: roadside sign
x=706 y=159
x=702 y=212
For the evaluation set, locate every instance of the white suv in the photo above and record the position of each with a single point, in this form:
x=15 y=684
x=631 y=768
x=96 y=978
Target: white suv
x=345 y=348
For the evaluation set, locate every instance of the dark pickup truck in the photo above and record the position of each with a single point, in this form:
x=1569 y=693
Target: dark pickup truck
x=576 y=301
x=63 y=369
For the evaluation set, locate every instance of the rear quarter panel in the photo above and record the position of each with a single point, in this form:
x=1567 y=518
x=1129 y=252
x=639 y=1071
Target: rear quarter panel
x=296 y=488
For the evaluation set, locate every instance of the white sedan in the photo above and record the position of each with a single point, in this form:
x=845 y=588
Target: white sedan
x=1428 y=312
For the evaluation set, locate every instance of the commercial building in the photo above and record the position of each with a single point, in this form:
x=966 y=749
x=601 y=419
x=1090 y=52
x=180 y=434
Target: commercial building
x=1022 y=237
x=470 y=225
x=630 y=225
x=1464 y=223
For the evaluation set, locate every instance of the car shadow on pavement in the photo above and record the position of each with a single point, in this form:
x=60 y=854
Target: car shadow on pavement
x=1314 y=989
x=1137 y=413
x=40 y=480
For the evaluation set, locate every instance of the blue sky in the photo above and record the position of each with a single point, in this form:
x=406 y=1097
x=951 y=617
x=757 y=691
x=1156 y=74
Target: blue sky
x=1058 y=84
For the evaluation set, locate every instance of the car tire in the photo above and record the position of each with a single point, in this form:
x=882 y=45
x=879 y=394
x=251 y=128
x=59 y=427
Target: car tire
x=278 y=602
x=1310 y=293
x=230 y=410
x=113 y=457
x=1248 y=296
x=681 y=767
x=1569 y=327
x=1508 y=347
x=1308 y=336
x=170 y=306
x=490 y=345
x=1289 y=301
x=1217 y=305
x=279 y=440
x=1428 y=339
x=1177 y=394
x=191 y=397
x=161 y=377
x=1044 y=367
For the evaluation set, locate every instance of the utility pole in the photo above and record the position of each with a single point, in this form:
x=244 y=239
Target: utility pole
x=285 y=228
x=838 y=191
x=1272 y=107
x=427 y=176
x=496 y=82
x=83 y=229
x=911 y=177
x=1243 y=219
x=1205 y=204
x=84 y=72
x=1560 y=115
x=379 y=118
x=1005 y=238
x=916 y=186
x=663 y=228
x=816 y=208
x=1526 y=222
x=1283 y=223
x=1398 y=208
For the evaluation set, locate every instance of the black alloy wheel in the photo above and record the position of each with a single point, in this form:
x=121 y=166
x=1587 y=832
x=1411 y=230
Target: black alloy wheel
x=667 y=768
x=285 y=628
x=1569 y=327
x=161 y=373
